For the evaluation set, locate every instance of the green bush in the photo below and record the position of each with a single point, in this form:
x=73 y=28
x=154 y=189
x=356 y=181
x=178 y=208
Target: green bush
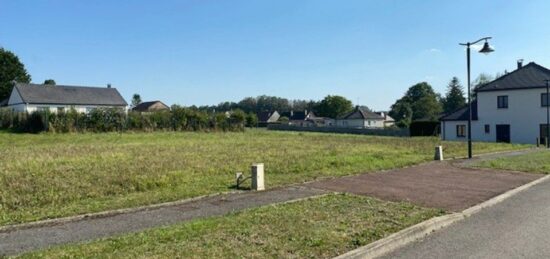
x=111 y=119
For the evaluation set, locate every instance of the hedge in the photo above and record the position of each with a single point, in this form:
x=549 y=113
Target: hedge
x=111 y=120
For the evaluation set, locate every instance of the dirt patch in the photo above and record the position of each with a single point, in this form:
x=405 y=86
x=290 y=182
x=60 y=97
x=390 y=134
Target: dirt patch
x=436 y=184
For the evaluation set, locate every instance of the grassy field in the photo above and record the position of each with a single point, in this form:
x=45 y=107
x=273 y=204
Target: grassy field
x=54 y=175
x=534 y=163
x=314 y=228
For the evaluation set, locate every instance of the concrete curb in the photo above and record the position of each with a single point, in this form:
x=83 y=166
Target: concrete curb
x=420 y=230
x=103 y=214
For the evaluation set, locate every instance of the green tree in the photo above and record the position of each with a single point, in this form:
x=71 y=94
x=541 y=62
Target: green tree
x=481 y=80
x=136 y=99
x=251 y=120
x=49 y=82
x=454 y=99
x=419 y=102
x=334 y=106
x=11 y=69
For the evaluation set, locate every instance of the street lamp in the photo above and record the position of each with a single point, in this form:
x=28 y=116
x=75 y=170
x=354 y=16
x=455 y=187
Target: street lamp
x=547 y=114
x=485 y=50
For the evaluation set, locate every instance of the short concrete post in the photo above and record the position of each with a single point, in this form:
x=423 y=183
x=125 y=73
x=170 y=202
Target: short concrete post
x=438 y=153
x=258 y=177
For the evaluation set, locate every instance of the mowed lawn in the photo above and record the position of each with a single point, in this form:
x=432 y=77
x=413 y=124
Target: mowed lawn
x=315 y=228
x=53 y=175
x=538 y=162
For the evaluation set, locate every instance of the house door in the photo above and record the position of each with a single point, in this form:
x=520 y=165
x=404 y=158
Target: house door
x=543 y=134
x=503 y=133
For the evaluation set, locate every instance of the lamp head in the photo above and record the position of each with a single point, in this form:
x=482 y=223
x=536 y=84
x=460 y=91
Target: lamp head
x=486 y=48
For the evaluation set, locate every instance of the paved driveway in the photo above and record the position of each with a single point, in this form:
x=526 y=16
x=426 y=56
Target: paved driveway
x=435 y=184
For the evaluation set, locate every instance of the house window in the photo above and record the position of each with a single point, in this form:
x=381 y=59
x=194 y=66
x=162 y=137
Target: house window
x=544 y=100
x=461 y=131
x=42 y=109
x=60 y=109
x=487 y=129
x=89 y=109
x=502 y=101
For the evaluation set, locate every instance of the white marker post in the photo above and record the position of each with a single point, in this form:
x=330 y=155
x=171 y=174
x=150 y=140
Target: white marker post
x=258 y=177
x=438 y=153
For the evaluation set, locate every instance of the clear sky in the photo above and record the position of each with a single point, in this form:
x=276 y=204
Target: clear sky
x=205 y=51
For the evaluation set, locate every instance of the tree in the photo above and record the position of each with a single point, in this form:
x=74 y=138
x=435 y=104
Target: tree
x=481 y=80
x=11 y=69
x=248 y=104
x=419 y=102
x=49 y=82
x=251 y=120
x=454 y=99
x=136 y=99
x=334 y=106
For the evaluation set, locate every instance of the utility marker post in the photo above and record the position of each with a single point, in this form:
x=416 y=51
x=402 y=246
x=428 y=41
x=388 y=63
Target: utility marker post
x=258 y=177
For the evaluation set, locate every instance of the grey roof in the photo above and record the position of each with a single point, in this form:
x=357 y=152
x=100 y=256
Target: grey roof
x=359 y=113
x=461 y=114
x=144 y=106
x=531 y=75
x=69 y=95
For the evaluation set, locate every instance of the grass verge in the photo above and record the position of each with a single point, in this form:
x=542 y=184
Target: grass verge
x=55 y=175
x=538 y=162
x=314 y=228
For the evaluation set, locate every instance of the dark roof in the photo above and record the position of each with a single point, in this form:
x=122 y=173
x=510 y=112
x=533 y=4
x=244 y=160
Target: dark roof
x=265 y=116
x=4 y=102
x=145 y=106
x=461 y=114
x=297 y=115
x=531 y=75
x=359 y=113
x=69 y=95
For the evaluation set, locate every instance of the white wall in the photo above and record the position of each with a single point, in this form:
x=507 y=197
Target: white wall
x=524 y=115
x=448 y=130
x=53 y=108
x=360 y=123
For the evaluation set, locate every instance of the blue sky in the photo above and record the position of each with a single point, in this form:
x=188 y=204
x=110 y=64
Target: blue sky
x=204 y=51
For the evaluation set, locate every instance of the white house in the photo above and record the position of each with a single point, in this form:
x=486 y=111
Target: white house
x=35 y=97
x=360 y=118
x=512 y=108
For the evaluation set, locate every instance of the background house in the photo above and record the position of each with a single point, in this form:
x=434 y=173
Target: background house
x=360 y=118
x=512 y=108
x=152 y=106
x=388 y=120
x=300 y=118
x=54 y=98
x=265 y=118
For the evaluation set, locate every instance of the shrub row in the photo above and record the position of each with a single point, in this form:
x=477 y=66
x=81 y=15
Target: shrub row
x=109 y=120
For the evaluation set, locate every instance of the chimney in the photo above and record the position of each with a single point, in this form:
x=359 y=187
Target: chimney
x=108 y=85
x=520 y=63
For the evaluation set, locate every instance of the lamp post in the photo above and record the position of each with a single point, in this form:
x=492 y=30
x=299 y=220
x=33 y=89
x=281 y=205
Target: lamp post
x=547 y=115
x=485 y=50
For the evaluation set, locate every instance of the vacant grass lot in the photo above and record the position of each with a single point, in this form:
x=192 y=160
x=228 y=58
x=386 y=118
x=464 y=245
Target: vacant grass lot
x=314 y=228
x=534 y=163
x=54 y=175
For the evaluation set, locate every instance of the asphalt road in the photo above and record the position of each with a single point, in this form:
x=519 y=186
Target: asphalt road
x=518 y=227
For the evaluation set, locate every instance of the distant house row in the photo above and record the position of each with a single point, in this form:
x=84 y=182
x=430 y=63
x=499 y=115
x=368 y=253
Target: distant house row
x=358 y=118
